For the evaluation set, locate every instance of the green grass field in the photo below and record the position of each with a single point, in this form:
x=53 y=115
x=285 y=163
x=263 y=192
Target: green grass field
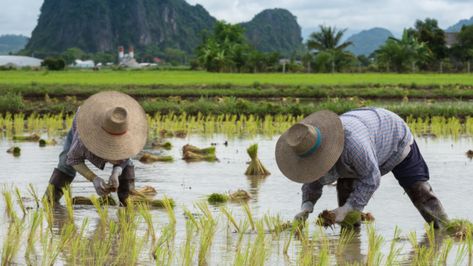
x=149 y=77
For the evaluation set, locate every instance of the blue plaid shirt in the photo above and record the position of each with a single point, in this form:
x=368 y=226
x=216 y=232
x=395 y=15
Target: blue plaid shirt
x=375 y=142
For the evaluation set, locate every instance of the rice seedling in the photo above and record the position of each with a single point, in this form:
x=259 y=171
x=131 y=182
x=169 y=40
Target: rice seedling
x=19 y=200
x=375 y=242
x=9 y=209
x=147 y=191
x=446 y=248
x=102 y=201
x=230 y=217
x=346 y=236
x=69 y=202
x=145 y=213
x=458 y=228
x=394 y=251
x=216 y=198
x=249 y=215
x=155 y=203
x=11 y=243
x=256 y=168
x=33 y=194
x=191 y=217
x=102 y=210
x=188 y=250
x=148 y=158
x=195 y=154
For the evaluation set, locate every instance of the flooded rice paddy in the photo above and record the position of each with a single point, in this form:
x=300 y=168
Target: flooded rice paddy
x=188 y=183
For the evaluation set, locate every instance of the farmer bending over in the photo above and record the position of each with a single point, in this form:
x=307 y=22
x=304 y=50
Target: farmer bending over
x=110 y=127
x=355 y=150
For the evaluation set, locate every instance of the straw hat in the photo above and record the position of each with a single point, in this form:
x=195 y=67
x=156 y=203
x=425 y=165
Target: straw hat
x=112 y=125
x=307 y=151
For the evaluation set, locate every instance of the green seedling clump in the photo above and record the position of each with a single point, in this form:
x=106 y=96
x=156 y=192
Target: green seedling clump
x=216 y=198
x=256 y=168
x=44 y=143
x=458 y=228
x=152 y=158
x=16 y=151
x=156 y=203
x=353 y=219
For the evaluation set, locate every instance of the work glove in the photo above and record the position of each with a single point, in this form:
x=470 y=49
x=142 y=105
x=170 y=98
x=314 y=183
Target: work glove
x=341 y=212
x=306 y=208
x=113 y=180
x=101 y=187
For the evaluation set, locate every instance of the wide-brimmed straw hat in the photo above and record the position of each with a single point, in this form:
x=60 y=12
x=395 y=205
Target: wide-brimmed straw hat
x=112 y=125
x=307 y=151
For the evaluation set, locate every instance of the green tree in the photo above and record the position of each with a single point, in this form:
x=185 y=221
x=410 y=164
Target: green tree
x=402 y=54
x=327 y=44
x=433 y=36
x=71 y=54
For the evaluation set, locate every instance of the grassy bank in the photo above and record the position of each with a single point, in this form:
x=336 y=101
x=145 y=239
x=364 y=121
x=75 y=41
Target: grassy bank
x=149 y=77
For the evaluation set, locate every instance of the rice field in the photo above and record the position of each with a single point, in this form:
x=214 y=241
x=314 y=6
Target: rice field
x=147 y=77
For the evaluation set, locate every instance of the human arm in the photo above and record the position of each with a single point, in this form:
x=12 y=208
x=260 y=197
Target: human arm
x=311 y=193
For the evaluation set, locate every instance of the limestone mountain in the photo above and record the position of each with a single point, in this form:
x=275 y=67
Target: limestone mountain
x=274 y=30
x=99 y=26
x=368 y=41
x=458 y=26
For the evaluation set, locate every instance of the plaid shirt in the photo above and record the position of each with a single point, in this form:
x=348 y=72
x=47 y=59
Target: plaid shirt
x=78 y=153
x=375 y=142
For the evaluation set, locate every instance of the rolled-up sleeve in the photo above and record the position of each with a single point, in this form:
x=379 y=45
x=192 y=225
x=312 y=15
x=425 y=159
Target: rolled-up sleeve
x=76 y=154
x=365 y=163
x=312 y=191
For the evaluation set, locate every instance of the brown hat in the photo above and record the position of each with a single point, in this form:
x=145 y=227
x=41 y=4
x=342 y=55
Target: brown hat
x=112 y=125
x=307 y=151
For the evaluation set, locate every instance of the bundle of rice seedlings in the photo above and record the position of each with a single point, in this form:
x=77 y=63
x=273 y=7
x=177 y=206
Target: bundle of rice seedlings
x=458 y=228
x=43 y=142
x=158 y=144
x=105 y=200
x=216 y=198
x=240 y=195
x=32 y=137
x=147 y=191
x=256 y=168
x=196 y=150
x=16 y=151
x=156 y=203
x=152 y=158
x=352 y=220
x=166 y=134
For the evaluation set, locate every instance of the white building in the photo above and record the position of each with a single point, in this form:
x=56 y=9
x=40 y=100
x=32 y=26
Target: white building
x=127 y=60
x=19 y=61
x=84 y=64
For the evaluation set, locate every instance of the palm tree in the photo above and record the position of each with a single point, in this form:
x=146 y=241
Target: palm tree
x=328 y=41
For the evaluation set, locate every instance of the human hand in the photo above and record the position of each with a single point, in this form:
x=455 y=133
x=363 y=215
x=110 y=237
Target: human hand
x=306 y=208
x=341 y=212
x=113 y=180
x=100 y=186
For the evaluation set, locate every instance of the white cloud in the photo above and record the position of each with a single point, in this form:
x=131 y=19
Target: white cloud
x=20 y=16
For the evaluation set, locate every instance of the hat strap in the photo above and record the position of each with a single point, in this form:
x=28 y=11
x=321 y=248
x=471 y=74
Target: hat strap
x=317 y=144
x=114 y=134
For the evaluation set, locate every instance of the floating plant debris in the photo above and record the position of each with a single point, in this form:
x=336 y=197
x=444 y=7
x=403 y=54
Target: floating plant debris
x=158 y=144
x=152 y=158
x=147 y=191
x=256 y=168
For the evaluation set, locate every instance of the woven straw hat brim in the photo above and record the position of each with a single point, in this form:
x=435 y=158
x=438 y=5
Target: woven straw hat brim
x=313 y=167
x=103 y=144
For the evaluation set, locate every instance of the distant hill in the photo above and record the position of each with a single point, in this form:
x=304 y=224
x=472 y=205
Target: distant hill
x=458 y=26
x=274 y=30
x=12 y=43
x=368 y=41
x=102 y=26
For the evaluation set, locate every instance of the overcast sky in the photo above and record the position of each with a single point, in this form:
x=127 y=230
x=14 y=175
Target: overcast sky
x=20 y=16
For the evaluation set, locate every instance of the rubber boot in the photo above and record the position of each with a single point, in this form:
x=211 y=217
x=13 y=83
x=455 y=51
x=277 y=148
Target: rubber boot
x=57 y=182
x=427 y=203
x=127 y=183
x=344 y=189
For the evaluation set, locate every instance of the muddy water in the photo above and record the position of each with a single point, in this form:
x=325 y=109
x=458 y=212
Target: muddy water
x=451 y=178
